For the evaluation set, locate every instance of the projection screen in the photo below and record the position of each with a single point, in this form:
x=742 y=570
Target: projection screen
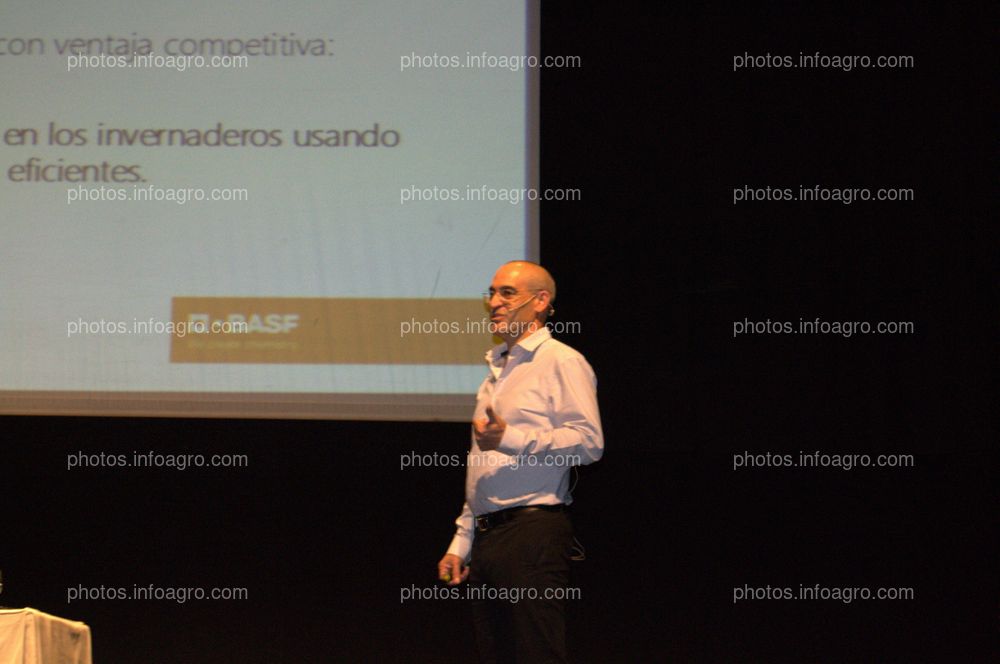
x=260 y=210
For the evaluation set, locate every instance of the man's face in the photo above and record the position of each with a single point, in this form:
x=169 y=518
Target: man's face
x=510 y=305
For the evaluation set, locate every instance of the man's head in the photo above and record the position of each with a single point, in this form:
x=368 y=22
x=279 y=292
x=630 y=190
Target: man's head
x=520 y=299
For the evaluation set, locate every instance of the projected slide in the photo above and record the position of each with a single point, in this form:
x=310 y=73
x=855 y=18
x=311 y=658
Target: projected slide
x=263 y=209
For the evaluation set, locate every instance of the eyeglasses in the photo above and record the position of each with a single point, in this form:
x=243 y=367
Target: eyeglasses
x=506 y=294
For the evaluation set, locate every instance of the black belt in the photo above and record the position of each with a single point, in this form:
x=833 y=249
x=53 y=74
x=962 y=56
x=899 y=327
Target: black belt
x=494 y=519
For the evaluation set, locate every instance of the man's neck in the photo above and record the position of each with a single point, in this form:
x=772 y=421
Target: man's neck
x=511 y=341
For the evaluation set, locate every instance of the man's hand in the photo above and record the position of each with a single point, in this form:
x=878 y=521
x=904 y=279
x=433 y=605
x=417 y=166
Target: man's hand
x=489 y=430
x=452 y=570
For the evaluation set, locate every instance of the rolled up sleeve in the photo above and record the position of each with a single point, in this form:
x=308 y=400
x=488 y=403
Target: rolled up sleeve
x=461 y=543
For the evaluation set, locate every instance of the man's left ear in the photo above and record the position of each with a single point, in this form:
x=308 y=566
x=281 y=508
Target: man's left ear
x=544 y=299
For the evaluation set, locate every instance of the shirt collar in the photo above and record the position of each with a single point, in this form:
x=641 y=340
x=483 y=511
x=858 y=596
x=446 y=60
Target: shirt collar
x=528 y=344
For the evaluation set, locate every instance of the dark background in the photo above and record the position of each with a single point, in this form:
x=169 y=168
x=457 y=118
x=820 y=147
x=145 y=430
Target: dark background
x=656 y=263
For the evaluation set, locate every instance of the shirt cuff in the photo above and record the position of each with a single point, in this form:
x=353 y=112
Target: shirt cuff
x=461 y=547
x=512 y=442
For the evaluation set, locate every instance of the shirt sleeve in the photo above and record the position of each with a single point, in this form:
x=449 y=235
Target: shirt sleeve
x=461 y=544
x=576 y=420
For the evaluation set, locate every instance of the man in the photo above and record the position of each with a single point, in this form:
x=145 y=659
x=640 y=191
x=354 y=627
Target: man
x=536 y=416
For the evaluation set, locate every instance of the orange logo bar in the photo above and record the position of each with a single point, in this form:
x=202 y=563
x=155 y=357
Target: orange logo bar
x=301 y=330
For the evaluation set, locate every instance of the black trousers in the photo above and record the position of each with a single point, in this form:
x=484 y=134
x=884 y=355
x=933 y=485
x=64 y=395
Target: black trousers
x=530 y=551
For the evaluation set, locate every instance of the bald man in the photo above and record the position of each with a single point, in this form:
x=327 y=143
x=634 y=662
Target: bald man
x=536 y=416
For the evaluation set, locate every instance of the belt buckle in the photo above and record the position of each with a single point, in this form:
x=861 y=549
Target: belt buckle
x=482 y=523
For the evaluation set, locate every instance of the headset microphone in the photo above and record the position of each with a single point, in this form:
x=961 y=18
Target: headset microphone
x=551 y=311
x=521 y=306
